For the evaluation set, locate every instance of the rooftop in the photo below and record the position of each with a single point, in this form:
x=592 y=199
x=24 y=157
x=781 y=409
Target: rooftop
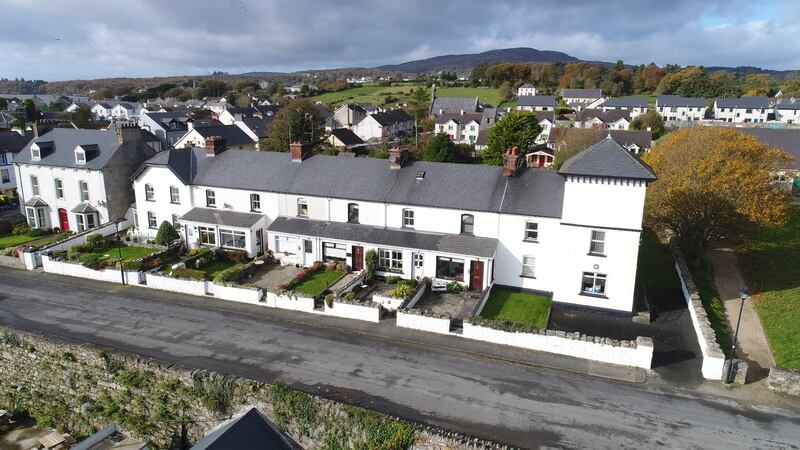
x=743 y=102
x=607 y=159
x=670 y=101
x=626 y=102
x=537 y=100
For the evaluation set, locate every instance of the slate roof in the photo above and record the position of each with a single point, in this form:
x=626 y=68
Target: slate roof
x=35 y=201
x=786 y=139
x=609 y=116
x=346 y=136
x=458 y=244
x=607 y=159
x=222 y=217
x=258 y=125
x=582 y=93
x=483 y=137
x=758 y=102
x=462 y=119
x=788 y=104
x=232 y=134
x=627 y=102
x=63 y=153
x=11 y=142
x=83 y=208
x=252 y=430
x=549 y=115
x=391 y=117
x=537 y=100
x=454 y=105
x=445 y=185
x=670 y=101
x=642 y=139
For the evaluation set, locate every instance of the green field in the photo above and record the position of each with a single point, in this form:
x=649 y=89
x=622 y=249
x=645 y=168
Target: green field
x=401 y=93
x=485 y=95
x=770 y=264
x=518 y=307
x=651 y=99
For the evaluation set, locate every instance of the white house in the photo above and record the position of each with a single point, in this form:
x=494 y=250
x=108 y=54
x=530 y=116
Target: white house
x=547 y=120
x=460 y=128
x=102 y=110
x=233 y=135
x=536 y=103
x=126 y=111
x=788 y=111
x=636 y=105
x=573 y=233
x=615 y=119
x=674 y=108
x=526 y=89
x=742 y=109
x=348 y=115
x=168 y=126
x=233 y=115
x=382 y=125
x=579 y=99
x=76 y=179
x=11 y=143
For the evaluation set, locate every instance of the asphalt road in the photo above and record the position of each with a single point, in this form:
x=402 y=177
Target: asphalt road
x=509 y=403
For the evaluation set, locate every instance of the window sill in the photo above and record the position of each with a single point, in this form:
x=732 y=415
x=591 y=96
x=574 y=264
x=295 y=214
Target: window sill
x=174 y=203
x=211 y=206
x=589 y=294
x=527 y=276
x=255 y=211
x=599 y=255
x=532 y=241
x=150 y=200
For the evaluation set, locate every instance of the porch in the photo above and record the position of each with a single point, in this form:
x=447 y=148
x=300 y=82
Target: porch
x=211 y=227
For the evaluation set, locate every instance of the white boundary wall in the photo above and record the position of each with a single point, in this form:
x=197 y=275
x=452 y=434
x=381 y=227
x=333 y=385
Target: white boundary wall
x=639 y=356
x=424 y=323
x=354 y=311
x=294 y=303
x=387 y=302
x=77 y=270
x=193 y=287
x=236 y=294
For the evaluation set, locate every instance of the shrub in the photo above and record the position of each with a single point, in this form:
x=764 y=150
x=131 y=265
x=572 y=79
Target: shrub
x=198 y=251
x=330 y=267
x=12 y=339
x=69 y=357
x=342 y=267
x=94 y=240
x=21 y=228
x=329 y=300
x=166 y=234
x=454 y=287
x=59 y=255
x=370 y=261
x=215 y=390
x=191 y=274
x=404 y=291
x=90 y=260
x=112 y=365
x=229 y=275
x=300 y=276
x=234 y=255
x=392 y=279
x=132 y=265
x=35 y=232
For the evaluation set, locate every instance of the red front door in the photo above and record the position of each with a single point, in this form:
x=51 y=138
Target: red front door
x=476 y=275
x=63 y=219
x=358 y=258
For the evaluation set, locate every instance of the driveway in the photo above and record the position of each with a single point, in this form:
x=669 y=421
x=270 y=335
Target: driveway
x=483 y=396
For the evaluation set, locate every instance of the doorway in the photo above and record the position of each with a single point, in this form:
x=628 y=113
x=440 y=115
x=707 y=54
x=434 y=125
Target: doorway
x=358 y=258
x=63 y=219
x=476 y=275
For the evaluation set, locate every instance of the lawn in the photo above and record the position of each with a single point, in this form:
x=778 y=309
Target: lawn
x=518 y=307
x=484 y=94
x=318 y=281
x=651 y=99
x=214 y=268
x=402 y=92
x=656 y=268
x=12 y=240
x=128 y=252
x=770 y=264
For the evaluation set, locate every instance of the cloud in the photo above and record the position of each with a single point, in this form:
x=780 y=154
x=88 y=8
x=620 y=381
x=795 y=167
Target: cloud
x=56 y=40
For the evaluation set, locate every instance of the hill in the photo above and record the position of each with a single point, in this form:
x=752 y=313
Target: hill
x=466 y=62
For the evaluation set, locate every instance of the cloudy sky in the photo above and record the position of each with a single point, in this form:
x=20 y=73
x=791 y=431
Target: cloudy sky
x=58 y=40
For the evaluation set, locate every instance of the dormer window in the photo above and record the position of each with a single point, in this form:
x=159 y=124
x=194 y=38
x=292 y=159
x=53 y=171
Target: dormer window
x=80 y=156
x=36 y=153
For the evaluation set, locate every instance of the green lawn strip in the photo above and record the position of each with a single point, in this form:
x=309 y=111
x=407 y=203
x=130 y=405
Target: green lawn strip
x=214 y=268
x=656 y=268
x=317 y=282
x=484 y=94
x=518 y=307
x=48 y=240
x=402 y=92
x=12 y=240
x=770 y=264
x=128 y=252
x=703 y=276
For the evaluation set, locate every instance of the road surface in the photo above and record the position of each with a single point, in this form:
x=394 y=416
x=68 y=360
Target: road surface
x=508 y=403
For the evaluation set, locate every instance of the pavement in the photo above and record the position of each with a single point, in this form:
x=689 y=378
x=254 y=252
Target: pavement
x=752 y=341
x=438 y=380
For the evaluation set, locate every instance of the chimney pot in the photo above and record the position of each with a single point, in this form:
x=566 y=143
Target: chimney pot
x=300 y=150
x=511 y=162
x=215 y=145
x=397 y=157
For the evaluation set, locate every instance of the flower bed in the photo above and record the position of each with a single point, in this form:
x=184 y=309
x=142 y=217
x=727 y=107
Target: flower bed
x=315 y=280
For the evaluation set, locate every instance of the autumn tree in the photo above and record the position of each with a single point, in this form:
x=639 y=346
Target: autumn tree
x=714 y=183
x=298 y=118
x=651 y=120
x=572 y=141
x=439 y=149
x=516 y=129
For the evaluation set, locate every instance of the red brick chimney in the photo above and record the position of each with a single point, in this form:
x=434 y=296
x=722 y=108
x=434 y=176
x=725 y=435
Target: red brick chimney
x=511 y=162
x=397 y=157
x=215 y=145
x=300 y=150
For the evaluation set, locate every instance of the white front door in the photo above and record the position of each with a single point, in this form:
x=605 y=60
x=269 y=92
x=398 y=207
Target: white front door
x=418 y=272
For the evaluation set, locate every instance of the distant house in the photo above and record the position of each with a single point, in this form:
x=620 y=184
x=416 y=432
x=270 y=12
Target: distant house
x=482 y=142
x=126 y=111
x=636 y=105
x=788 y=111
x=249 y=429
x=579 y=99
x=232 y=115
x=539 y=156
x=787 y=140
x=168 y=127
x=344 y=137
x=547 y=120
x=636 y=142
x=255 y=127
x=615 y=119
x=102 y=110
x=454 y=105
x=526 y=89
x=233 y=136
x=742 y=109
x=460 y=128
x=384 y=124
x=11 y=143
x=370 y=108
x=536 y=103
x=298 y=88
x=674 y=108
x=348 y=115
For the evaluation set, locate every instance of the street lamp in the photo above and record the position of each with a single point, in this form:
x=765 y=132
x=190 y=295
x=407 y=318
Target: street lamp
x=744 y=294
x=119 y=249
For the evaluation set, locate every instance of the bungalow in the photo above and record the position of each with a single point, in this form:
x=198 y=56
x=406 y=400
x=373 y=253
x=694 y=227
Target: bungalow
x=232 y=134
x=614 y=119
x=76 y=179
x=742 y=109
x=573 y=233
x=526 y=89
x=636 y=105
x=126 y=111
x=579 y=99
x=460 y=128
x=536 y=103
x=11 y=143
x=384 y=124
x=674 y=108
x=636 y=142
x=102 y=110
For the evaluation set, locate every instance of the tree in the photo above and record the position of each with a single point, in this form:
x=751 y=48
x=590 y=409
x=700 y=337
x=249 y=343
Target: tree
x=101 y=94
x=651 y=120
x=516 y=129
x=370 y=262
x=714 y=183
x=573 y=141
x=439 y=149
x=3 y=103
x=419 y=103
x=31 y=113
x=82 y=116
x=505 y=91
x=55 y=106
x=166 y=234
x=300 y=119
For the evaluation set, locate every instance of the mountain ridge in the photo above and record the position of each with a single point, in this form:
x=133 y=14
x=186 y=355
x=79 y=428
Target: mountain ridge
x=467 y=61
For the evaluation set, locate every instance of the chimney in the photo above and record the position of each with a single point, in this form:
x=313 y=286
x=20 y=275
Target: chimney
x=397 y=157
x=128 y=133
x=41 y=127
x=215 y=145
x=462 y=112
x=190 y=124
x=511 y=162
x=300 y=150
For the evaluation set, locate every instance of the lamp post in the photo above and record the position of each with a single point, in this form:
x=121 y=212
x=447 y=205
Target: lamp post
x=744 y=294
x=119 y=249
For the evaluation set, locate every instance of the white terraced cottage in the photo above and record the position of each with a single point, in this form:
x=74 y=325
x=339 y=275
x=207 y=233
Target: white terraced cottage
x=573 y=233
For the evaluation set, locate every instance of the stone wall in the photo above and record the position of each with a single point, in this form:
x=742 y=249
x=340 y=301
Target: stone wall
x=81 y=388
x=784 y=381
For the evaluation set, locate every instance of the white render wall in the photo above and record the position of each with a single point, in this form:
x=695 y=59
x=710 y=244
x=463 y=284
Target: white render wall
x=603 y=202
x=787 y=115
x=161 y=178
x=681 y=113
x=740 y=115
